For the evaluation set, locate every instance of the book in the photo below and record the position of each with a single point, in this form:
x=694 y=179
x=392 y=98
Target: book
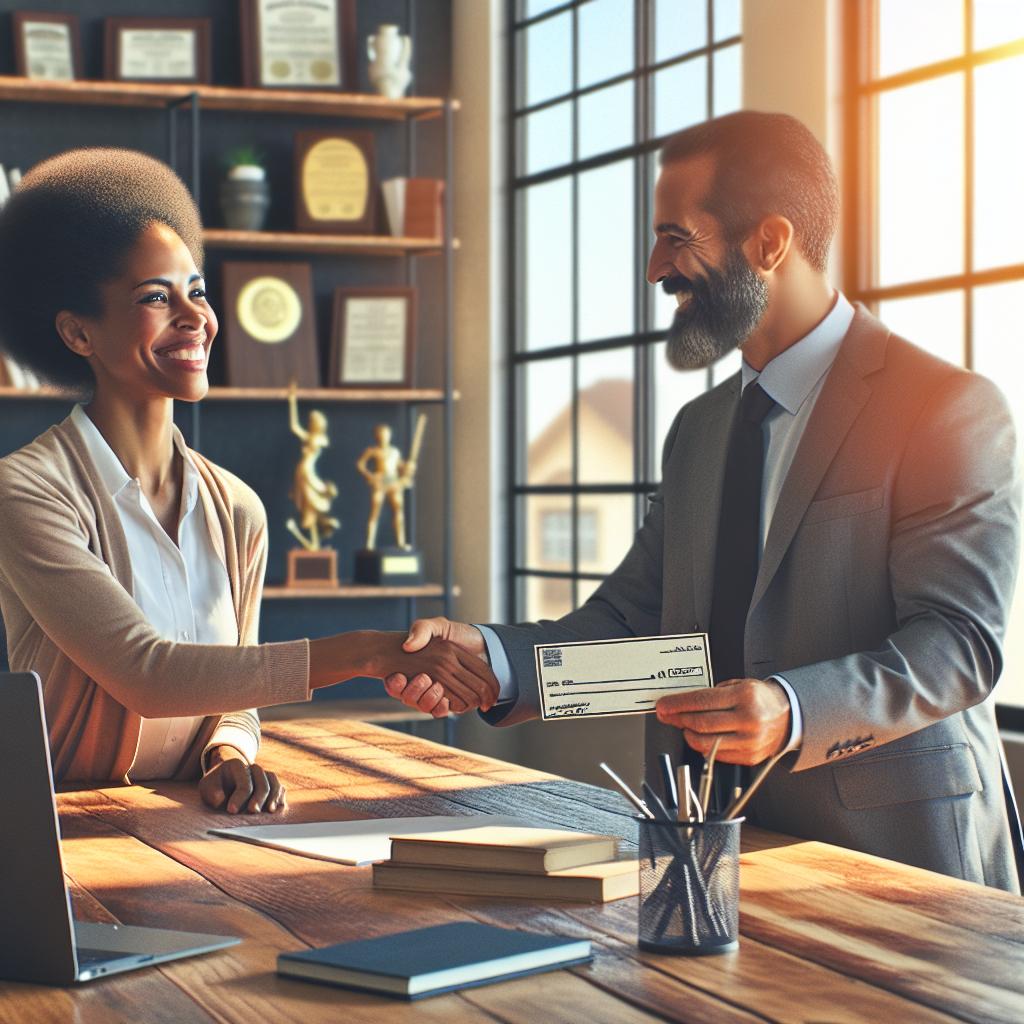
x=531 y=851
x=592 y=883
x=354 y=842
x=429 y=961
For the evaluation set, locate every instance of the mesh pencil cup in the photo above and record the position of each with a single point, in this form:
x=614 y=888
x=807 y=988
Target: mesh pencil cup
x=689 y=886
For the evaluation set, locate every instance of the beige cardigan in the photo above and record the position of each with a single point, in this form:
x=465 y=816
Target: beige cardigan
x=66 y=599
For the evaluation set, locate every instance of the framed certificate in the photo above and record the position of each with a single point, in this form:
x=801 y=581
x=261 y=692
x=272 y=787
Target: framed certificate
x=270 y=325
x=299 y=44
x=335 y=182
x=47 y=46
x=373 y=338
x=157 y=50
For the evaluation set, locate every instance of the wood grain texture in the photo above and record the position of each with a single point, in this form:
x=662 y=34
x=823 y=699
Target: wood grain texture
x=826 y=935
x=325 y=244
x=216 y=97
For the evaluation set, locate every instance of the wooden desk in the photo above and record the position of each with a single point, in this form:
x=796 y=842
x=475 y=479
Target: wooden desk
x=827 y=935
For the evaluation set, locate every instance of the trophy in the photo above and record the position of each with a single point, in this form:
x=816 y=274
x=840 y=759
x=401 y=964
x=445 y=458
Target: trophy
x=311 y=565
x=389 y=477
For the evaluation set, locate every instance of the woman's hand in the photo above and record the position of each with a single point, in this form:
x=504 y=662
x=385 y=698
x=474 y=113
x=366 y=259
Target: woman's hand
x=457 y=675
x=241 y=786
x=466 y=681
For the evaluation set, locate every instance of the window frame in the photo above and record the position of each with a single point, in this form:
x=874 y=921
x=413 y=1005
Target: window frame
x=644 y=337
x=860 y=193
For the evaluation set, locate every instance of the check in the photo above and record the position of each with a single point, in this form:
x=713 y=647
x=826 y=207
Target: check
x=619 y=677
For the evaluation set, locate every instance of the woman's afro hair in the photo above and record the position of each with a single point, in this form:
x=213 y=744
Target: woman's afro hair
x=68 y=228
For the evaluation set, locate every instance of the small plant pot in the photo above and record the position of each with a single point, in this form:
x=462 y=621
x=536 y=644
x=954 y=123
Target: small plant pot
x=244 y=203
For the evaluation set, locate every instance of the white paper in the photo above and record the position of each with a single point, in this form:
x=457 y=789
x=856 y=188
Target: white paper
x=375 y=333
x=298 y=42
x=48 y=50
x=619 y=677
x=357 y=842
x=394 y=200
x=158 y=53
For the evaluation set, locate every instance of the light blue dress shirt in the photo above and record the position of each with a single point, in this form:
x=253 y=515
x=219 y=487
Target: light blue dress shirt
x=794 y=378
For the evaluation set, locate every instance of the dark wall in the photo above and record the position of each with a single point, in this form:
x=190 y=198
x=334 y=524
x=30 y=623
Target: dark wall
x=252 y=438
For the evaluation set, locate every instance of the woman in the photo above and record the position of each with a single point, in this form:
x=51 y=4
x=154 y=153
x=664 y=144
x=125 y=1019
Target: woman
x=131 y=568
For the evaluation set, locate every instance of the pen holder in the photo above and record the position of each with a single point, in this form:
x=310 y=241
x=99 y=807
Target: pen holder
x=689 y=886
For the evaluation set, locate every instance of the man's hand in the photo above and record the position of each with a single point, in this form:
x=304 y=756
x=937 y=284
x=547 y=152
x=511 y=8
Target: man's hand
x=751 y=715
x=231 y=781
x=421 y=692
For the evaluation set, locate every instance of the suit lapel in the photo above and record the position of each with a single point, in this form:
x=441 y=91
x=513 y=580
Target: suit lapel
x=843 y=396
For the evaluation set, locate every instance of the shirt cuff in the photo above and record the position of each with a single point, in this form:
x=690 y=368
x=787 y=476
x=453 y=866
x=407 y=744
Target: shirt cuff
x=796 y=731
x=500 y=665
x=234 y=734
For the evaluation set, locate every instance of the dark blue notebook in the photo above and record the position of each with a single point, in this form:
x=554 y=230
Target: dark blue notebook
x=428 y=961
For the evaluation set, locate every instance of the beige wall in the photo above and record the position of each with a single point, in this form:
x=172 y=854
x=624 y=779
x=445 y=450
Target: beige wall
x=792 y=63
x=479 y=211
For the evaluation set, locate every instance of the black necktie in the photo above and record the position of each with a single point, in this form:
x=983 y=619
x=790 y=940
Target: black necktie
x=736 y=560
x=739 y=535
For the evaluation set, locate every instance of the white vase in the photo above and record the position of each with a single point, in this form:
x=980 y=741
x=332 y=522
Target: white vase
x=390 y=54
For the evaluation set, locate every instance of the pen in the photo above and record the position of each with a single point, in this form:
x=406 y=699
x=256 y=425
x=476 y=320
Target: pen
x=740 y=802
x=708 y=775
x=660 y=809
x=683 y=787
x=669 y=780
x=689 y=806
x=628 y=793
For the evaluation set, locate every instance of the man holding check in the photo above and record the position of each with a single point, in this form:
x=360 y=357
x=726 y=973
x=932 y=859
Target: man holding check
x=841 y=518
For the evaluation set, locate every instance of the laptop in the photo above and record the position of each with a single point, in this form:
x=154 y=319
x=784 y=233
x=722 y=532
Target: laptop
x=39 y=939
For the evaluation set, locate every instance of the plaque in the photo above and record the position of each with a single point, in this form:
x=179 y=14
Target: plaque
x=299 y=44
x=270 y=327
x=47 y=46
x=157 y=50
x=373 y=338
x=335 y=183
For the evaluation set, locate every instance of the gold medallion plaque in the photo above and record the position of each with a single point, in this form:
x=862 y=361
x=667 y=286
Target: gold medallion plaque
x=269 y=309
x=335 y=180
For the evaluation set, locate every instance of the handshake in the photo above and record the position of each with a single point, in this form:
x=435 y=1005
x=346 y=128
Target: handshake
x=443 y=667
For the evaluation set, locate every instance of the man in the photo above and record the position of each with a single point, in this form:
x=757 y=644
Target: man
x=842 y=518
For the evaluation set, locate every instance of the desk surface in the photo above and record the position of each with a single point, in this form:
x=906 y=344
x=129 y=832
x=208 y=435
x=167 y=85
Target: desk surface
x=826 y=935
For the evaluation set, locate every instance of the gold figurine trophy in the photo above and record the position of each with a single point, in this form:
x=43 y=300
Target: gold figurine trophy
x=389 y=478
x=311 y=565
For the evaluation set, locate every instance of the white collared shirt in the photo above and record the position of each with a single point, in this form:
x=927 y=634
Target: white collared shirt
x=183 y=589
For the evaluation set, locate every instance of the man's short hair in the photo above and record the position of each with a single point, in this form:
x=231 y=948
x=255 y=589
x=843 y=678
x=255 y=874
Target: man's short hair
x=70 y=227
x=765 y=164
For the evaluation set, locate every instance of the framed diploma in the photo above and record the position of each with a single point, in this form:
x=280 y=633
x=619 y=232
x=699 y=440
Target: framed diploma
x=270 y=325
x=47 y=46
x=335 y=183
x=157 y=50
x=299 y=44
x=373 y=338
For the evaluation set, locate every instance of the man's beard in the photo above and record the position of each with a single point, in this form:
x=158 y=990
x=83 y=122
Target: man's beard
x=723 y=310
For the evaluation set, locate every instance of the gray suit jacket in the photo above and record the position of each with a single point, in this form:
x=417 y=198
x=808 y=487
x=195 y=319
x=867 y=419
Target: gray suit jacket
x=882 y=596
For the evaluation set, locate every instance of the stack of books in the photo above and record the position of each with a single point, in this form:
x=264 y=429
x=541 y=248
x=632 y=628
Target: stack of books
x=536 y=863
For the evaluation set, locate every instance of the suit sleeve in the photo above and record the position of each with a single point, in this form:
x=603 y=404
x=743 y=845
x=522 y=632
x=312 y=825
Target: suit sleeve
x=953 y=556
x=628 y=603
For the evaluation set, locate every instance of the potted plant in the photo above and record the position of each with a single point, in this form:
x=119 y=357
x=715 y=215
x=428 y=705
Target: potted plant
x=245 y=192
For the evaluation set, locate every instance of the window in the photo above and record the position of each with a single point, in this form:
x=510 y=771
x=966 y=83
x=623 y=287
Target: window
x=556 y=537
x=935 y=203
x=597 y=85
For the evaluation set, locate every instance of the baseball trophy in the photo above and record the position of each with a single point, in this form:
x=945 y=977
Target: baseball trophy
x=389 y=477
